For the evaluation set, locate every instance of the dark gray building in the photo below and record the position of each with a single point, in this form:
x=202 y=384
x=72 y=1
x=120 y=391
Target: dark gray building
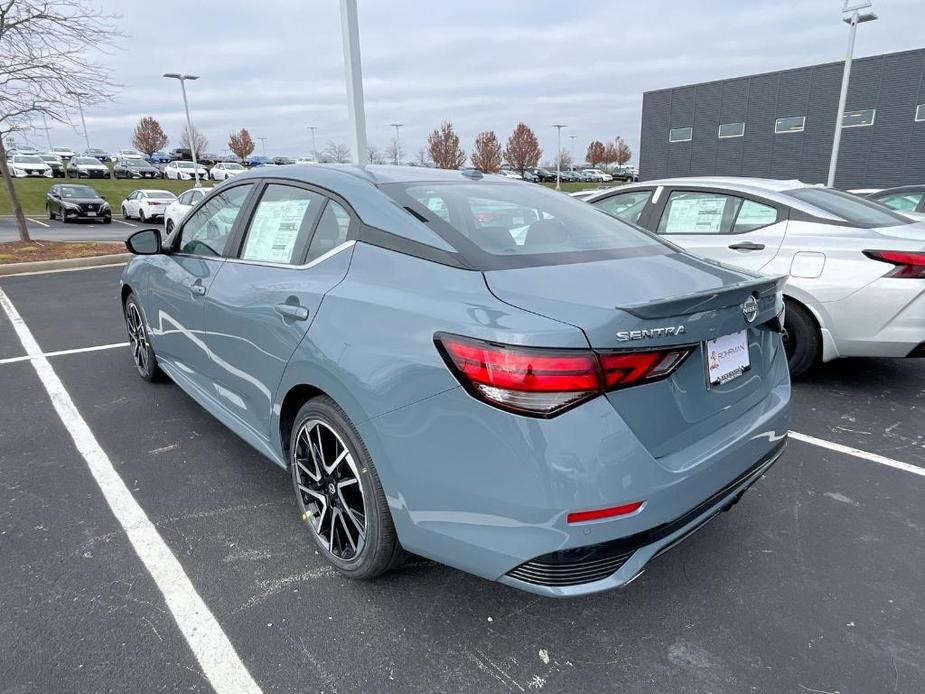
x=781 y=124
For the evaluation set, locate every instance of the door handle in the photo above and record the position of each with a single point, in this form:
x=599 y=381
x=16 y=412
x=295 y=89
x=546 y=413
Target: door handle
x=198 y=288
x=747 y=246
x=294 y=312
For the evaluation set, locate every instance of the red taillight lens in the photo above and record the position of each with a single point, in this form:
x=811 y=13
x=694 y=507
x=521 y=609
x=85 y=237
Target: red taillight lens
x=909 y=264
x=597 y=514
x=544 y=382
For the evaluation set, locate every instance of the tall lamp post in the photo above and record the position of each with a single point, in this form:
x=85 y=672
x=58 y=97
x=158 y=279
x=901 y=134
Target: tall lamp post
x=572 y=138
x=83 y=122
x=851 y=15
x=558 y=127
x=314 y=148
x=397 y=140
x=356 y=109
x=189 y=125
x=263 y=145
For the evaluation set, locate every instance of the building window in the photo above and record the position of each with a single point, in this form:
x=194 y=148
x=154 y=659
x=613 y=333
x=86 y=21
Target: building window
x=680 y=134
x=792 y=124
x=920 y=112
x=858 y=119
x=731 y=130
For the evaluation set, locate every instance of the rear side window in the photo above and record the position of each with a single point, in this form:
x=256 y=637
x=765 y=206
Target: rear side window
x=904 y=202
x=281 y=224
x=713 y=213
x=855 y=210
x=753 y=215
x=332 y=230
x=626 y=206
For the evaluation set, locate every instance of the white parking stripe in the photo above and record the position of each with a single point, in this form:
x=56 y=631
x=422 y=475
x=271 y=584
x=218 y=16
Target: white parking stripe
x=62 y=352
x=217 y=657
x=857 y=453
x=128 y=224
x=63 y=269
x=35 y=221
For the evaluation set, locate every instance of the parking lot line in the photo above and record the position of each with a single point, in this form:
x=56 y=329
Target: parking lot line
x=62 y=352
x=128 y=224
x=63 y=269
x=35 y=221
x=857 y=453
x=209 y=643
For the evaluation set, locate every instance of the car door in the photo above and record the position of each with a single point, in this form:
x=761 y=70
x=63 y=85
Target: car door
x=627 y=206
x=263 y=301
x=53 y=200
x=131 y=204
x=177 y=286
x=727 y=226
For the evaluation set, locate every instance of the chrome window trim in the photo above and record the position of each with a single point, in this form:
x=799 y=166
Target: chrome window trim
x=320 y=259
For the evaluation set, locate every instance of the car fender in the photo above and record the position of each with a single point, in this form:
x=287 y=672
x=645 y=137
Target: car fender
x=819 y=312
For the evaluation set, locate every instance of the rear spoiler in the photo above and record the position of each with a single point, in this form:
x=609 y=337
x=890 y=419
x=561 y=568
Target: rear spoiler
x=709 y=300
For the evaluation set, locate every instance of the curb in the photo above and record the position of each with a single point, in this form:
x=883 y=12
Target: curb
x=66 y=264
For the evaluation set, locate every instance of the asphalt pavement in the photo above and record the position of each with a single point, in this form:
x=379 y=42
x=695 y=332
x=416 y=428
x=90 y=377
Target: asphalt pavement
x=813 y=583
x=43 y=229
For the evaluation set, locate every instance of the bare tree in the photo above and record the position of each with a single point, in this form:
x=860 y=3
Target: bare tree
x=149 y=136
x=443 y=147
x=424 y=157
x=394 y=152
x=241 y=144
x=199 y=143
x=596 y=154
x=486 y=154
x=44 y=65
x=623 y=152
x=564 y=160
x=523 y=149
x=335 y=153
x=374 y=155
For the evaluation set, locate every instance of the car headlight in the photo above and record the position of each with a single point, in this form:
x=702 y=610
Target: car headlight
x=70 y=206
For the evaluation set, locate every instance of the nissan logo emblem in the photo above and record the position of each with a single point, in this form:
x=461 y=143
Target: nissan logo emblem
x=750 y=309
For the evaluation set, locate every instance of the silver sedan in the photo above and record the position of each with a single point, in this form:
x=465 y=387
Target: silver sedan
x=856 y=269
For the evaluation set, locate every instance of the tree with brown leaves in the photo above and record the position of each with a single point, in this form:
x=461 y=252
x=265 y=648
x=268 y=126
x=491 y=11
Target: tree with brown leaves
x=241 y=144
x=523 y=149
x=149 y=137
x=622 y=153
x=486 y=154
x=596 y=153
x=443 y=146
x=44 y=67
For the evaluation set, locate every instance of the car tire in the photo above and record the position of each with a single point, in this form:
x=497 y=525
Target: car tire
x=125 y=213
x=331 y=504
x=168 y=227
x=141 y=216
x=139 y=344
x=802 y=341
x=51 y=215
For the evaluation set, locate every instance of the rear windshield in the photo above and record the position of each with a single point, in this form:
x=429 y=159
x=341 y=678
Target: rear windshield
x=855 y=210
x=500 y=224
x=160 y=194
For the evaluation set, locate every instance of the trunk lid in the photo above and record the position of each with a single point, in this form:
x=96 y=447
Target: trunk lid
x=656 y=301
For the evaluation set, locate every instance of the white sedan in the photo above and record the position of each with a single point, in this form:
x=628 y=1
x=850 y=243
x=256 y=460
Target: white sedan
x=128 y=154
x=179 y=208
x=184 y=171
x=856 y=285
x=63 y=152
x=225 y=169
x=147 y=204
x=22 y=165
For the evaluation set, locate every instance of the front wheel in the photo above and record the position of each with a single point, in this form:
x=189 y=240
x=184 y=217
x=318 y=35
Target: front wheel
x=142 y=351
x=339 y=493
x=141 y=216
x=802 y=342
x=125 y=213
x=51 y=215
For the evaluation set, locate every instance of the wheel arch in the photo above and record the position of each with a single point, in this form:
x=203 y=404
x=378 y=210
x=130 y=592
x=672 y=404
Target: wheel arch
x=801 y=299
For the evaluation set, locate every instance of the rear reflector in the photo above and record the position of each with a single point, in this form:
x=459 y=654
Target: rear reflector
x=597 y=514
x=543 y=382
x=909 y=264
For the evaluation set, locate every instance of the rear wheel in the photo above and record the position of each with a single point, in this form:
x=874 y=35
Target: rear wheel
x=142 y=351
x=339 y=493
x=802 y=342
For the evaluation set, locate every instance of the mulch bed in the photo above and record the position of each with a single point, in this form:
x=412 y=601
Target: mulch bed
x=30 y=251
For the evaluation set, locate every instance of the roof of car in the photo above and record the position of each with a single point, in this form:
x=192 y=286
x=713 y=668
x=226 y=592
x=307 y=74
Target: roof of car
x=901 y=189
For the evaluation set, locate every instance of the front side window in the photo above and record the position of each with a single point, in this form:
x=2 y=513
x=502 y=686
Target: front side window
x=858 y=119
x=731 y=130
x=499 y=225
x=680 y=134
x=281 y=224
x=332 y=230
x=850 y=208
x=904 y=202
x=794 y=124
x=206 y=231
x=626 y=206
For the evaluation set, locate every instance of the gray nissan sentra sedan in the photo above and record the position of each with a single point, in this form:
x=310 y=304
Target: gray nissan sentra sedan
x=479 y=371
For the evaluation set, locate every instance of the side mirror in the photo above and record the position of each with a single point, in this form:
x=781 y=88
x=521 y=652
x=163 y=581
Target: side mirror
x=103 y=197
x=144 y=242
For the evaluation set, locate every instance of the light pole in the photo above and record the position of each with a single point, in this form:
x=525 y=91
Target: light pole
x=314 y=149
x=189 y=123
x=572 y=138
x=47 y=130
x=397 y=140
x=353 y=65
x=263 y=145
x=558 y=127
x=851 y=15
x=83 y=122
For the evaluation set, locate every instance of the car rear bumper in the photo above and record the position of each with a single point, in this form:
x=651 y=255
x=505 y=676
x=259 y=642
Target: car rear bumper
x=489 y=492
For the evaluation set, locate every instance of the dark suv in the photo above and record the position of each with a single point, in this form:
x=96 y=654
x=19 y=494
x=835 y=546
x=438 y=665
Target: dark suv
x=76 y=202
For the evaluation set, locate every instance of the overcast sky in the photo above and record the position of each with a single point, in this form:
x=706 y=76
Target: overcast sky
x=276 y=66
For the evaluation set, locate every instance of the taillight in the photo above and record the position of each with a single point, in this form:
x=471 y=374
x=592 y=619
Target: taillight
x=544 y=382
x=909 y=264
